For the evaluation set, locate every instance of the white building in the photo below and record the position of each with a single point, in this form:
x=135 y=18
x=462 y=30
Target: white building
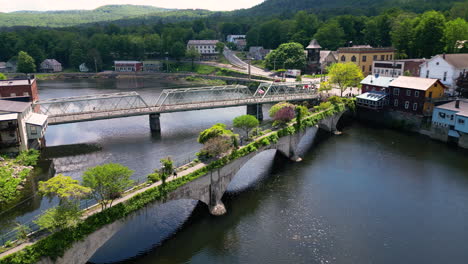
x=206 y=48
x=233 y=38
x=447 y=68
x=83 y=67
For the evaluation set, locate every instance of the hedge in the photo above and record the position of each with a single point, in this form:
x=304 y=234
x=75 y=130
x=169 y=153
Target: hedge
x=56 y=244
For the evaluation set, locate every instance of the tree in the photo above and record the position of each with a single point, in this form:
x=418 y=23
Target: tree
x=219 y=47
x=214 y=131
x=275 y=108
x=167 y=169
x=330 y=35
x=26 y=63
x=325 y=87
x=64 y=187
x=454 y=30
x=429 y=33
x=402 y=35
x=345 y=75
x=218 y=146
x=108 y=182
x=2 y=76
x=178 y=50
x=284 y=115
x=246 y=123
x=290 y=55
x=60 y=217
x=192 y=54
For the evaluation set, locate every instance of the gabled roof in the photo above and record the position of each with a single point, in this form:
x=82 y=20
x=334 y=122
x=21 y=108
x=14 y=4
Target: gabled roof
x=13 y=106
x=51 y=62
x=314 y=45
x=415 y=83
x=459 y=60
x=37 y=119
x=461 y=111
x=380 y=81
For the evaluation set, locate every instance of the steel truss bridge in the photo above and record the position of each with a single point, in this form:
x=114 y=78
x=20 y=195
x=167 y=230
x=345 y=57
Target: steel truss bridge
x=126 y=104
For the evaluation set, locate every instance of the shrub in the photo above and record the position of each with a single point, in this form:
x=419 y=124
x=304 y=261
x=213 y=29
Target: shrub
x=28 y=158
x=154 y=177
x=214 y=131
x=284 y=115
x=218 y=146
x=274 y=109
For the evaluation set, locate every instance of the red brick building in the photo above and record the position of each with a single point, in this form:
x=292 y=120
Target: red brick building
x=19 y=90
x=128 y=66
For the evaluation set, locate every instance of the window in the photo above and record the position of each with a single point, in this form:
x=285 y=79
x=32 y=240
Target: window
x=386 y=57
x=415 y=106
x=25 y=94
x=451 y=117
x=427 y=74
x=396 y=91
x=461 y=121
x=375 y=57
x=391 y=56
x=343 y=58
x=12 y=94
x=33 y=130
x=353 y=58
x=406 y=104
x=445 y=76
x=363 y=68
x=408 y=92
x=370 y=68
x=364 y=58
x=382 y=57
x=416 y=94
x=437 y=63
x=395 y=103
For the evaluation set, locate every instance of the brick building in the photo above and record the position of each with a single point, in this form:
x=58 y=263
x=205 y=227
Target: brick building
x=128 y=66
x=364 y=56
x=19 y=89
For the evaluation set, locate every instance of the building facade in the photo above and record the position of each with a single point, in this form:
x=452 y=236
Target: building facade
x=450 y=122
x=258 y=53
x=397 y=68
x=447 y=68
x=152 y=66
x=376 y=83
x=327 y=58
x=313 y=56
x=128 y=66
x=51 y=65
x=19 y=89
x=364 y=56
x=206 y=48
x=415 y=95
x=20 y=128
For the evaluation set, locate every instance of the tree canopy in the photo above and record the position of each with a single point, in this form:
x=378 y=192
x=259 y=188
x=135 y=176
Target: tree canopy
x=288 y=55
x=212 y=132
x=246 y=123
x=345 y=75
x=25 y=63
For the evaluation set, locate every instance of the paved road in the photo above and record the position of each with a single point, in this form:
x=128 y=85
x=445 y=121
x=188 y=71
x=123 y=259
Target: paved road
x=234 y=60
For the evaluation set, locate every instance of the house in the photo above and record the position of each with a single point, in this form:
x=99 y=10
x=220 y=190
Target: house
x=128 y=66
x=240 y=44
x=233 y=38
x=19 y=89
x=450 y=122
x=376 y=83
x=83 y=67
x=415 y=95
x=20 y=128
x=11 y=66
x=258 y=53
x=3 y=66
x=364 y=56
x=397 y=68
x=206 y=48
x=372 y=100
x=51 y=65
x=327 y=58
x=313 y=56
x=447 y=68
x=152 y=66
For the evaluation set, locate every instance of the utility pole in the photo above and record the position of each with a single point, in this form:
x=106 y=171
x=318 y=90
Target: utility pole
x=249 y=60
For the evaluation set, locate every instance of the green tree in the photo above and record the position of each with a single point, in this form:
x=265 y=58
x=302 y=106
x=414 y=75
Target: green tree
x=246 y=123
x=214 y=131
x=290 y=55
x=2 y=76
x=402 y=35
x=63 y=187
x=218 y=146
x=454 y=30
x=178 y=50
x=325 y=87
x=192 y=54
x=429 y=33
x=345 y=75
x=107 y=182
x=60 y=217
x=167 y=169
x=220 y=47
x=26 y=63
x=330 y=35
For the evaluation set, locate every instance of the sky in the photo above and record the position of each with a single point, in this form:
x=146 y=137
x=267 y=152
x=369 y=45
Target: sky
x=43 y=5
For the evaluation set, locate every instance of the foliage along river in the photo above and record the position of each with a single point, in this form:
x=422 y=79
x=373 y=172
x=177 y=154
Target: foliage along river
x=371 y=195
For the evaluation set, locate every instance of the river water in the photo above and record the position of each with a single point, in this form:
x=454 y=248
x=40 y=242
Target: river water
x=370 y=195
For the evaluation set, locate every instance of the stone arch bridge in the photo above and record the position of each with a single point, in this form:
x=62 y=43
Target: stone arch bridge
x=208 y=189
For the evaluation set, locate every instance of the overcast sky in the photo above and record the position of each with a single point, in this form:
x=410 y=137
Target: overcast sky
x=43 y=5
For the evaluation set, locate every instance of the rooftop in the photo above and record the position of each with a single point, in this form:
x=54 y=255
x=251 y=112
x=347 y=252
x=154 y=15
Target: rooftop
x=462 y=111
x=8 y=117
x=51 y=62
x=37 y=119
x=203 y=42
x=22 y=82
x=122 y=62
x=365 y=48
x=372 y=96
x=13 y=106
x=415 y=83
x=378 y=80
x=314 y=45
x=459 y=60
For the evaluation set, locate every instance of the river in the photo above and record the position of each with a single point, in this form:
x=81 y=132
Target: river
x=370 y=195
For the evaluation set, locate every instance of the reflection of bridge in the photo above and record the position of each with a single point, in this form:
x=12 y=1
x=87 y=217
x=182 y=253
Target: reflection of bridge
x=107 y=106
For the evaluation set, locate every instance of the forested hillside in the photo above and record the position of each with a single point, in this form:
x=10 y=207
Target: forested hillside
x=414 y=35
x=76 y=17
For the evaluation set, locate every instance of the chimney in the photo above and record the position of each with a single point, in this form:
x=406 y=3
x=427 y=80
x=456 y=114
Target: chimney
x=443 y=55
x=457 y=103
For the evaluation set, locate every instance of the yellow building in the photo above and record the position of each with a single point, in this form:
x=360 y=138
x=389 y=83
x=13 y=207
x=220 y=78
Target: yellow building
x=364 y=56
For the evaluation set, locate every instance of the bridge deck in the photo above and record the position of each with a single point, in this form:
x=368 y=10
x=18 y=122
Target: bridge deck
x=96 y=115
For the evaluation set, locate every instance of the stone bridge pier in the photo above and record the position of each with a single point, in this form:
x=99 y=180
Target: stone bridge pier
x=255 y=110
x=208 y=189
